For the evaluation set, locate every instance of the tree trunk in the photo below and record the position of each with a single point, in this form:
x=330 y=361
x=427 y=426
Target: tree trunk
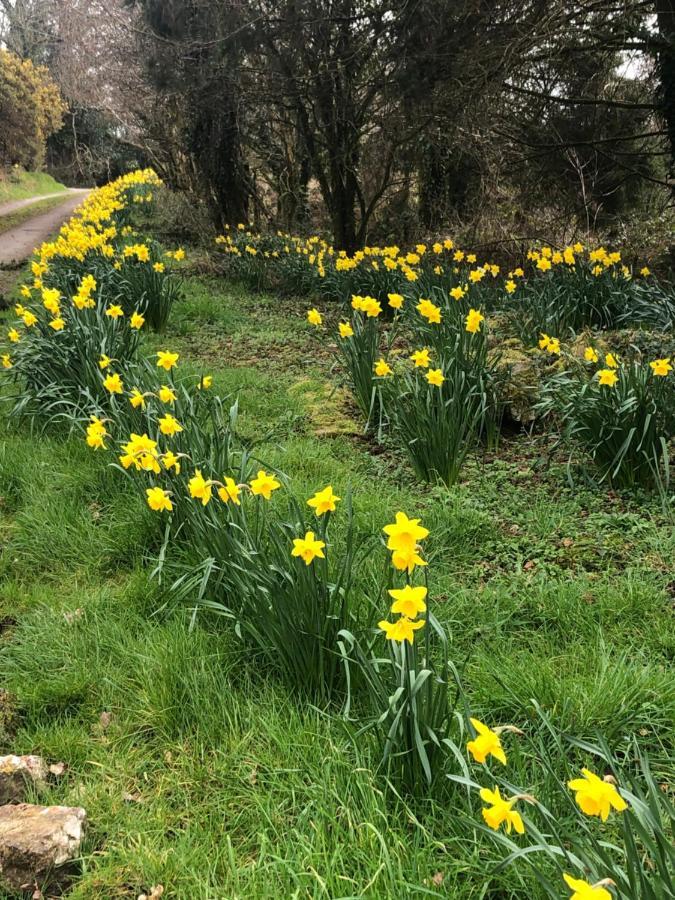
x=666 y=63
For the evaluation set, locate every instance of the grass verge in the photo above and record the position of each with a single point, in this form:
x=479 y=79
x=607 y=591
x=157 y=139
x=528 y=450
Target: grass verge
x=20 y=185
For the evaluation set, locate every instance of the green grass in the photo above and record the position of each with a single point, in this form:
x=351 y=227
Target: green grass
x=14 y=219
x=16 y=184
x=210 y=778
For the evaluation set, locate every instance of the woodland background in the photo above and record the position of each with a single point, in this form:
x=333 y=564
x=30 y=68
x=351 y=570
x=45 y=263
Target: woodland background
x=369 y=120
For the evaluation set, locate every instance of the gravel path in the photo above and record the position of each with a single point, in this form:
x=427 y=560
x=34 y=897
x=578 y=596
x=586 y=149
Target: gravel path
x=13 y=205
x=17 y=244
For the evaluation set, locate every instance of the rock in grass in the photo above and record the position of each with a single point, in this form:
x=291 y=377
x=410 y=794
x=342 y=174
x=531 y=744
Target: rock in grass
x=36 y=840
x=17 y=773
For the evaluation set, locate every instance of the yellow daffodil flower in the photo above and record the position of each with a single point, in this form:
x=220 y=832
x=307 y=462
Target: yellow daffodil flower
x=382 y=368
x=158 y=499
x=166 y=394
x=308 y=548
x=229 y=491
x=141 y=452
x=421 y=358
x=500 y=812
x=169 y=426
x=166 y=360
x=473 y=320
x=96 y=434
x=263 y=485
x=486 y=743
x=137 y=399
x=607 y=377
x=170 y=460
x=404 y=533
x=371 y=307
x=435 y=377
x=429 y=311
x=595 y=796
x=113 y=384
x=661 y=367
x=199 y=488
x=314 y=317
x=408 y=601
x=582 y=890
x=323 y=501
x=402 y=630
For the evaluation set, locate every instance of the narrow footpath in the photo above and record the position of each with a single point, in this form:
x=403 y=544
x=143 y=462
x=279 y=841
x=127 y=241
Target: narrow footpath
x=17 y=244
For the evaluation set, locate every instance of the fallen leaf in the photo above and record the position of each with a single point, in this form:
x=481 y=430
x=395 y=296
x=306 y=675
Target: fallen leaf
x=567 y=542
x=104 y=720
x=57 y=769
x=438 y=879
x=529 y=565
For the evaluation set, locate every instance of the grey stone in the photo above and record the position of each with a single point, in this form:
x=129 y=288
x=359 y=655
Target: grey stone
x=16 y=773
x=35 y=840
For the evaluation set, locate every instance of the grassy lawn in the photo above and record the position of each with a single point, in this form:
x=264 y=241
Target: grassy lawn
x=21 y=185
x=209 y=777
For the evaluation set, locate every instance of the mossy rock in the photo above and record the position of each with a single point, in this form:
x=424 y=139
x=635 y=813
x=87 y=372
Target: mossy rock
x=328 y=408
x=519 y=369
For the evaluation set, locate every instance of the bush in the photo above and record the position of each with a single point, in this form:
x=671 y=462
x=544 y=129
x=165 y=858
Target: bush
x=31 y=109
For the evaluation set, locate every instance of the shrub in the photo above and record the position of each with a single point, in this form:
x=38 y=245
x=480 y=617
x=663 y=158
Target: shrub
x=31 y=109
